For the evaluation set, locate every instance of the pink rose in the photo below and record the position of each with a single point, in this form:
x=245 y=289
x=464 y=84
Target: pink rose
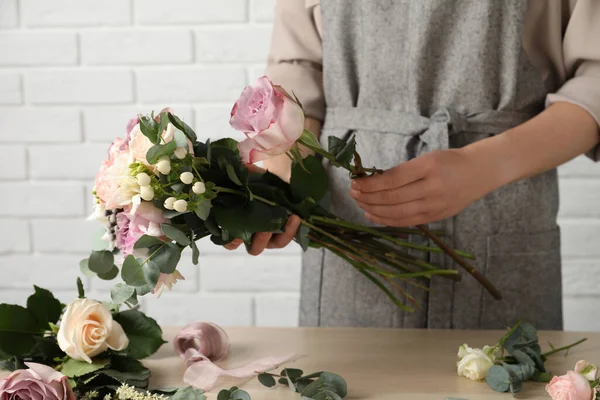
x=131 y=124
x=107 y=182
x=130 y=227
x=39 y=382
x=572 y=386
x=270 y=119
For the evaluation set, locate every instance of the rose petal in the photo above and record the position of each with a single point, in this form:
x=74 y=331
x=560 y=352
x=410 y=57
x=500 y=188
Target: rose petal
x=117 y=339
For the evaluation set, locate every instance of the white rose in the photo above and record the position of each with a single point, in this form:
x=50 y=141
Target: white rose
x=87 y=329
x=474 y=364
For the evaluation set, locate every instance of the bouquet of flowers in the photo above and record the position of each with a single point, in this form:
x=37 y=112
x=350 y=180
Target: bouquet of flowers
x=161 y=190
x=93 y=353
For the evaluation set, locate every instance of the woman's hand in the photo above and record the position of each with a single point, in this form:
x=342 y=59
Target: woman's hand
x=429 y=188
x=268 y=240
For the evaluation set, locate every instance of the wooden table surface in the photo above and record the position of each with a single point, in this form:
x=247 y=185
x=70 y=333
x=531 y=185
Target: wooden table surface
x=377 y=363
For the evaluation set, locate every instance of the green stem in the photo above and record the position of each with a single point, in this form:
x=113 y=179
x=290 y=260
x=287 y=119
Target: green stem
x=383 y=236
x=153 y=253
x=507 y=334
x=554 y=351
x=197 y=173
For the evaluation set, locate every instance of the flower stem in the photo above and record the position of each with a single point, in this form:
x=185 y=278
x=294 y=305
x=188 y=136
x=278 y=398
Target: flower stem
x=564 y=348
x=507 y=334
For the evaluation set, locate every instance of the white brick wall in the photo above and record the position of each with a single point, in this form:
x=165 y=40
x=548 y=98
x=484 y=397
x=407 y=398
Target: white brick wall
x=72 y=72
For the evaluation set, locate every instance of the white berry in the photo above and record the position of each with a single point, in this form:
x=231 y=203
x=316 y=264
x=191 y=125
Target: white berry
x=147 y=193
x=187 y=177
x=143 y=179
x=199 y=188
x=180 y=152
x=164 y=167
x=180 y=206
x=169 y=203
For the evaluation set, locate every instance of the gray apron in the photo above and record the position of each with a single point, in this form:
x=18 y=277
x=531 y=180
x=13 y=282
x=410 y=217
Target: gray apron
x=409 y=77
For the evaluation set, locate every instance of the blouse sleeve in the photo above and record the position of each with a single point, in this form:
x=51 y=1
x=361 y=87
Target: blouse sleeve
x=581 y=57
x=295 y=58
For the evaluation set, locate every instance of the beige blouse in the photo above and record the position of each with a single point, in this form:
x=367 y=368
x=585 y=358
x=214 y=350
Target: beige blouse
x=561 y=37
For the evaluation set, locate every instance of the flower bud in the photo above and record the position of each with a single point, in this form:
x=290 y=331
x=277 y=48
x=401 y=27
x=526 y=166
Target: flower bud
x=143 y=179
x=164 y=167
x=180 y=152
x=146 y=193
x=180 y=206
x=199 y=188
x=169 y=203
x=187 y=177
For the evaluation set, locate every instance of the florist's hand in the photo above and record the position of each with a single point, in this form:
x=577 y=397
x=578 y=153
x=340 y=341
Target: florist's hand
x=429 y=188
x=268 y=240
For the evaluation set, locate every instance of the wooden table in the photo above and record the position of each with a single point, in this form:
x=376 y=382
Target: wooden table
x=377 y=363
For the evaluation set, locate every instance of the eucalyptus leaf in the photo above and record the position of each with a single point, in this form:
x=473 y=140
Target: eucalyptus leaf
x=44 y=307
x=523 y=358
x=145 y=335
x=175 y=234
x=180 y=139
x=522 y=371
x=110 y=275
x=224 y=395
x=121 y=292
x=74 y=368
x=335 y=381
x=85 y=268
x=189 y=393
x=149 y=128
x=151 y=275
x=239 y=394
x=147 y=241
x=132 y=272
x=158 y=150
x=101 y=262
x=498 y=379
x=327 y=395
x=166 y=257
x=266 y=379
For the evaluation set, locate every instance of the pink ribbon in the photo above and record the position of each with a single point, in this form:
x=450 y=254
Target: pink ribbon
x=199 y=344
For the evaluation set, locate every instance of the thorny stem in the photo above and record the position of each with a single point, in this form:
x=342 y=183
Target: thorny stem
x=554 y=351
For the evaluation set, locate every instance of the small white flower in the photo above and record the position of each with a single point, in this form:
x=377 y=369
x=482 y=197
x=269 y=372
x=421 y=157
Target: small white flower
x=180 y=152
x=590 y=371
x=143 y=179
x=169 y=203
x=147 y=193
x=164 y=165
x=180 y=206
x=474 y=364
x=199 y=188
x=187 y=177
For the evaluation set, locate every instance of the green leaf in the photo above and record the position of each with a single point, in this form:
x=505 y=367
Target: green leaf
x=195 y=252
x=127 y=370
x=292 y=373
x=180 y=139
x=243 y=222
x=227 y=143
x=325 y=394
x=85 y=268
x=166 y=258
x=110 y=275
x=175 y=234
x=522 y=371
x=80 y=289
x=239 y=394
x=302 y=237
x=541 y=376
x=132 y=273
x=182 y=126
x=203 y=209
x=159 y=150
x=151 y=275
x=44 y=307
x=149 y=128
x=310 y=182
x=498 y=379
x=101 y=262
x=266 y=379
x=189 y=393
x=74 y=368
x=18 y=328
x=147 y=241
x=334 y=381
x=224 y=395
x=145 y=336
x=232 y=175
x=121 y=292
x=342 y=149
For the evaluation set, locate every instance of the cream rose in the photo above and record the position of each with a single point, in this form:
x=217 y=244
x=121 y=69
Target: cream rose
x=474 y=364
x=87 y=329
